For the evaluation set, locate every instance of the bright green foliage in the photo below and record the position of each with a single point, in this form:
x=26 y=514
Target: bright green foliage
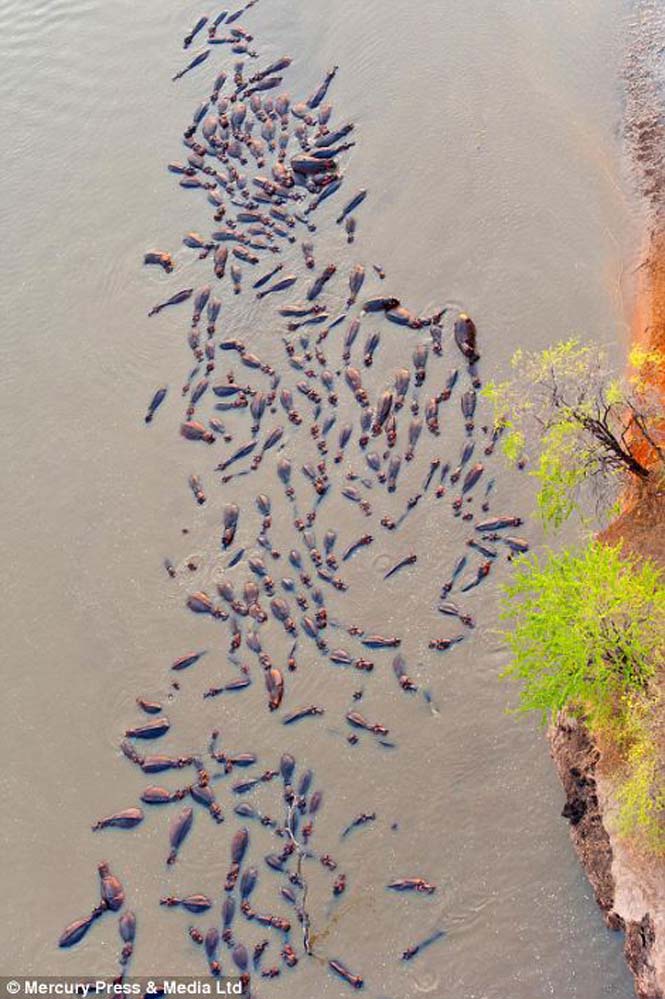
x=587 y=629
x=563 y=461
x=560 y=472
x=513 y=445
x=641 y=794
x=514 y=402
x=614 y=393
x=577 y=423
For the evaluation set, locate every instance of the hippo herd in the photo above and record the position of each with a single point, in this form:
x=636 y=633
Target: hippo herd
x=300 y=403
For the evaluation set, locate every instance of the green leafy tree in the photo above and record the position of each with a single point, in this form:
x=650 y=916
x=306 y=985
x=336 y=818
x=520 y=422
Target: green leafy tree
x=587 y=629
x=587 y=635
x=582 y=427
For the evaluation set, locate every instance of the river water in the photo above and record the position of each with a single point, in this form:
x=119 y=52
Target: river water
x=488 y=137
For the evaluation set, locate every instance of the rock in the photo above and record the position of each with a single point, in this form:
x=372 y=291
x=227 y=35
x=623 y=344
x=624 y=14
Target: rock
x=577 y=758
x=640 y=943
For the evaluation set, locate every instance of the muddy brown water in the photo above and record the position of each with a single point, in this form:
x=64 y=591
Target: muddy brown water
x=488 y=138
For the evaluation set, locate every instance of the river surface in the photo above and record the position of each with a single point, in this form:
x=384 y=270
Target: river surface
x=488 y=137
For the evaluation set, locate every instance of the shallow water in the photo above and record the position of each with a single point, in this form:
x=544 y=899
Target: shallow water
x=489 y=142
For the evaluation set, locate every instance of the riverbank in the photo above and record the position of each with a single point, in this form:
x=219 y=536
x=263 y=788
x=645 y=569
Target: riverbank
x=629 y=884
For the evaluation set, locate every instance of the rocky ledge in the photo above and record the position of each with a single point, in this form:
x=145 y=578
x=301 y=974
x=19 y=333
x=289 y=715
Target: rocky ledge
x=628 y=888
